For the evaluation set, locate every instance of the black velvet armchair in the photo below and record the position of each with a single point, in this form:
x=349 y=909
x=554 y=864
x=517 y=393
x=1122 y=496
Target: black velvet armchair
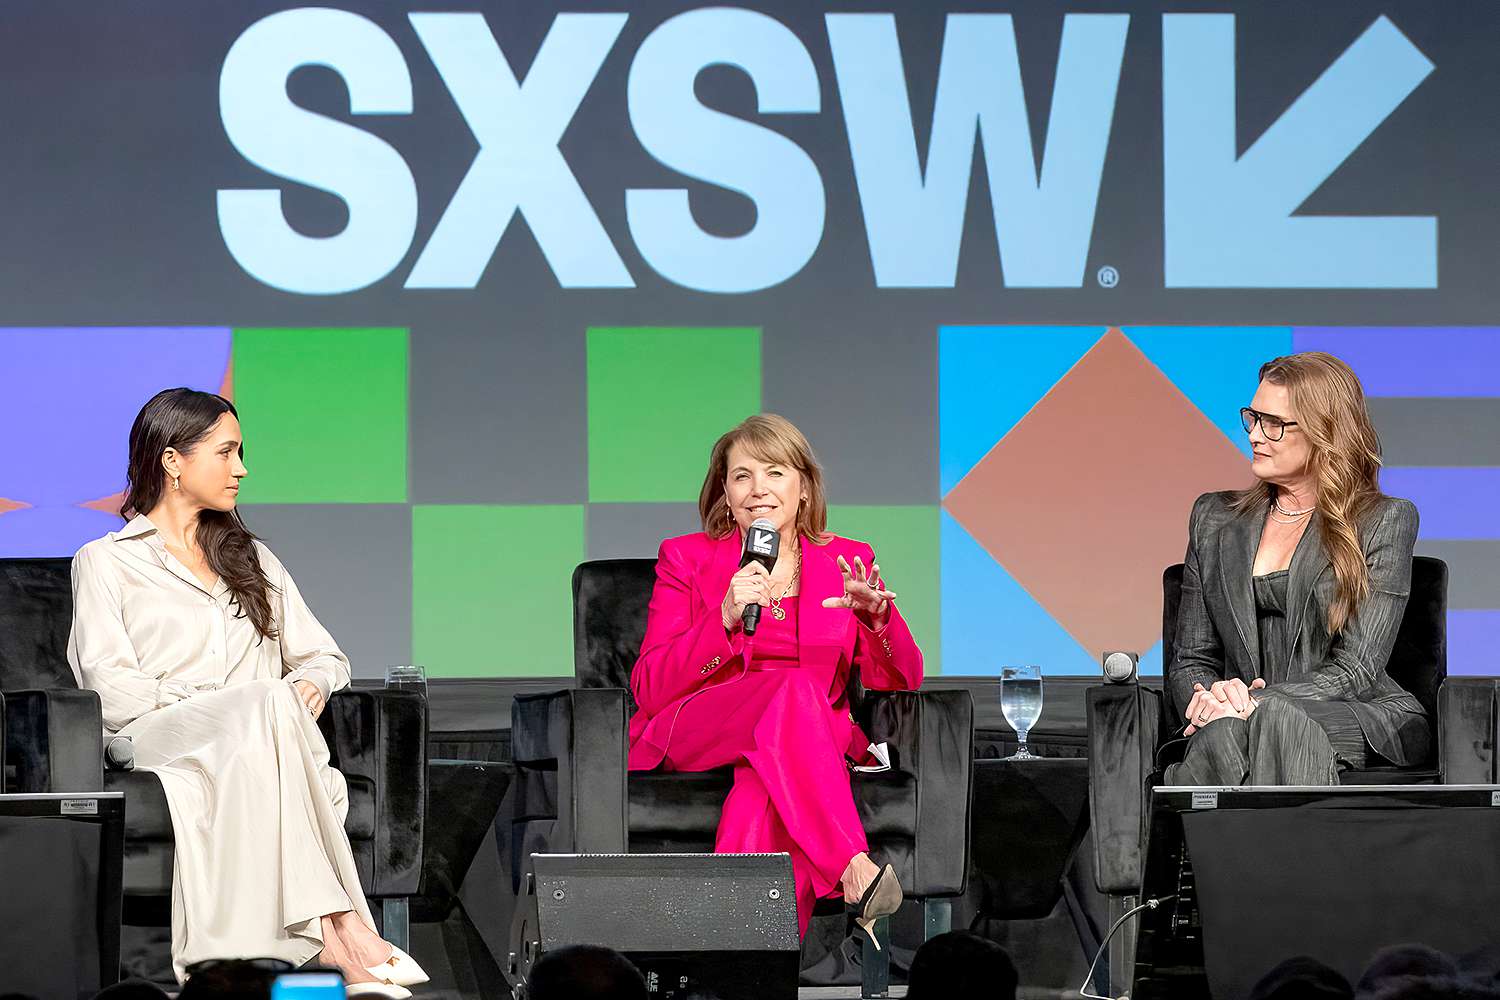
x=574 y=794
x=1129 y=724
x=53 y=737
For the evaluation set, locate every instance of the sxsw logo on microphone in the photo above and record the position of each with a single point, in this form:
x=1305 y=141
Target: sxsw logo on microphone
x=762 y=541
x=1229 y=219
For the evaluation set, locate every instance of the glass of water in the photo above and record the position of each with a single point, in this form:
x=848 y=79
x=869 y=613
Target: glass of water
x=1021 y=701
x=407 y=677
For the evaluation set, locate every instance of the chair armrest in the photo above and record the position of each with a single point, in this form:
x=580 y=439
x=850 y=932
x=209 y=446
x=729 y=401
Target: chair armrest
x=381 y=736
x=1467 y=730
x=931 y=736
x=569 y=752
x=1124 y=723
x=55 y=739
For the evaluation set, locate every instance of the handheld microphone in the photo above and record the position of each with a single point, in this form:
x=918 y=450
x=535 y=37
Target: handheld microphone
x=762 y=543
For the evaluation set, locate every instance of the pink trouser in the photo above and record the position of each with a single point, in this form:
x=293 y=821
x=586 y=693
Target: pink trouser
x=791 y=785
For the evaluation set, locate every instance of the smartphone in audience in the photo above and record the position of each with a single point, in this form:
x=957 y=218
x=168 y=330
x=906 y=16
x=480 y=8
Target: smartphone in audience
x=308 y=986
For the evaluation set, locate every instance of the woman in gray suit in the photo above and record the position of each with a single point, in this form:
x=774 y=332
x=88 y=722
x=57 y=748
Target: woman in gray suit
x=1292 y=593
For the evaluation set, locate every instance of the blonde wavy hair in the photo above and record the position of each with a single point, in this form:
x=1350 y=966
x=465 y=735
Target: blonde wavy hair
x=774 y=440
x=1344 y=462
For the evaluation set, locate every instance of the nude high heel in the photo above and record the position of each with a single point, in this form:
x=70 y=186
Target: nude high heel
x=881 y=899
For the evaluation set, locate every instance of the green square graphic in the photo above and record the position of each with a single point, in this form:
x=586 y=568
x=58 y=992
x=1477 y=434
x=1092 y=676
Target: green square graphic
x=658 y=399
x=905 y=540
x=492 y=589
x=324 y=414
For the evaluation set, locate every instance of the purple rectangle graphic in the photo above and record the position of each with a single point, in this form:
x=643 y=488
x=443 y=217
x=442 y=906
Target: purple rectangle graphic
x=1471 y=643
x=1413 y=361
x=68 y=396
x=1453 y=502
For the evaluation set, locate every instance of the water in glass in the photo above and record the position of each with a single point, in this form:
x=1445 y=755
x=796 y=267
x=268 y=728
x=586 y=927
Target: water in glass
x=407 y=677
x=1021 y=701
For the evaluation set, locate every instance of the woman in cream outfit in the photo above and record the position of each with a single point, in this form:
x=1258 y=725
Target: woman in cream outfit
x=203 y=651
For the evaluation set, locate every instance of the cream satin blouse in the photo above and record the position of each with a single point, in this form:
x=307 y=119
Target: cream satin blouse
x=147 y=634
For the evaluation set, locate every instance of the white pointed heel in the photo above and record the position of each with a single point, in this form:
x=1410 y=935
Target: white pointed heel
x=400 y=969
x=390 y=991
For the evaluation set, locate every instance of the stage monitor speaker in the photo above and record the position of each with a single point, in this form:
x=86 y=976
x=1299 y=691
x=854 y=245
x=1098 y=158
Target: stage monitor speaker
x=62 y=870
x=1247 y=877
x=723 y=925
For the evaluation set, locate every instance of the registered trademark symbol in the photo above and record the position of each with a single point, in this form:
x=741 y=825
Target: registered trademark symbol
x=1108 y=277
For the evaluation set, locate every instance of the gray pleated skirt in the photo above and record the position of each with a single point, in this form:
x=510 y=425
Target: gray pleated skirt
x=1286 y=741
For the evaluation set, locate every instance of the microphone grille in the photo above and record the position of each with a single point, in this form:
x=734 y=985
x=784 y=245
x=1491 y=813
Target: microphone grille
x=120 y=752
x=761 y=522
x=1120 y=668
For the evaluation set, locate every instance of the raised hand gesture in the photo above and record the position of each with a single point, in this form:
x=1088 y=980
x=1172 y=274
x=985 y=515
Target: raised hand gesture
x=864 y=593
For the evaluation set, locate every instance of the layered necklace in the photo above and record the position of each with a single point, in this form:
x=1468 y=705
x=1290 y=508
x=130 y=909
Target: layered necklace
x=777 y=611
x=1288 y=516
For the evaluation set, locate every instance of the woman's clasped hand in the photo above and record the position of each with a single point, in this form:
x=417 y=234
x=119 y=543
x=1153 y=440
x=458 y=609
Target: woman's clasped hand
x=1231 y=697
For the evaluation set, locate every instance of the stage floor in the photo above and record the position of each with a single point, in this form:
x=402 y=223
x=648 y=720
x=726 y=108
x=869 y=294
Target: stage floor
x=825 y=993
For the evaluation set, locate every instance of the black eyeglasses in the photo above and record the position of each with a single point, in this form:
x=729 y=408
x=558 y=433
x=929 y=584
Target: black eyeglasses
x=1274 y=428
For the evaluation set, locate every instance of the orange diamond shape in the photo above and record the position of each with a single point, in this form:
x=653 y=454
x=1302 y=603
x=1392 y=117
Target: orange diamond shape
x=1085 y=501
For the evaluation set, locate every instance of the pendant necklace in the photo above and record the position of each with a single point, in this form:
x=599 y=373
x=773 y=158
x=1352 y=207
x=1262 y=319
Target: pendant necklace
x=777 y=611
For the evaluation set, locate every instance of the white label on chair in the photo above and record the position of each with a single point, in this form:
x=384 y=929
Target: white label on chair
x=1495 y=798
x=80 y=807
x=1205 y=800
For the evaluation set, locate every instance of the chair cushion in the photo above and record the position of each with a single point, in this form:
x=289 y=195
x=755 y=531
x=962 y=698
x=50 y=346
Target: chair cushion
x=360 y=823
x=610 y=598
x=1419 y=660
x=36 y=612
x=887 y=805
x=146 y=813
x=678 y=804
x=679 y=811
x=1390 y=775
x=147 y=817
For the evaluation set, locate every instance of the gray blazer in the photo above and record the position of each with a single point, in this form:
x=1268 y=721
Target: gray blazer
x=1217 y=636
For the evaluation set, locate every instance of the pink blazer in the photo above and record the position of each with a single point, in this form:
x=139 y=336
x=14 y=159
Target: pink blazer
x=686 y=651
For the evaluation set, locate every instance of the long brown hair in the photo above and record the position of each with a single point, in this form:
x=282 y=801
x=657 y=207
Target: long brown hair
x=181 y=419
x=772 y=439
x=1344 y=463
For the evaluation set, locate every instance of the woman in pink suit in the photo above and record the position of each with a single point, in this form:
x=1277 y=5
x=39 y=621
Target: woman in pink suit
x=773 y=705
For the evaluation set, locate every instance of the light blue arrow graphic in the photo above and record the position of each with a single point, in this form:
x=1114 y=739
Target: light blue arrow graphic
x=1229 y=221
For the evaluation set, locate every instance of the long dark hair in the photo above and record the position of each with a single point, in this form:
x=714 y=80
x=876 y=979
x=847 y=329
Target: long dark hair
x=180 y=419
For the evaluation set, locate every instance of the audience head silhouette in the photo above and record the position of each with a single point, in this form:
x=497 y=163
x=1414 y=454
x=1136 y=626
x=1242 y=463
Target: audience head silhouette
x=247 y=979
x=961 y=965
x=585 y=972
x=132 y=989
x=1302 y=978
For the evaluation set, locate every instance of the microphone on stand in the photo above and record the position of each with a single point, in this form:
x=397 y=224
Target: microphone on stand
x=119 y=753
x=762 y=542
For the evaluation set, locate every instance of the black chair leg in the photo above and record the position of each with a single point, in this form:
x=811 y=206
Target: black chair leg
x=395 y=922
x=875 y=963
x=937 y=917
